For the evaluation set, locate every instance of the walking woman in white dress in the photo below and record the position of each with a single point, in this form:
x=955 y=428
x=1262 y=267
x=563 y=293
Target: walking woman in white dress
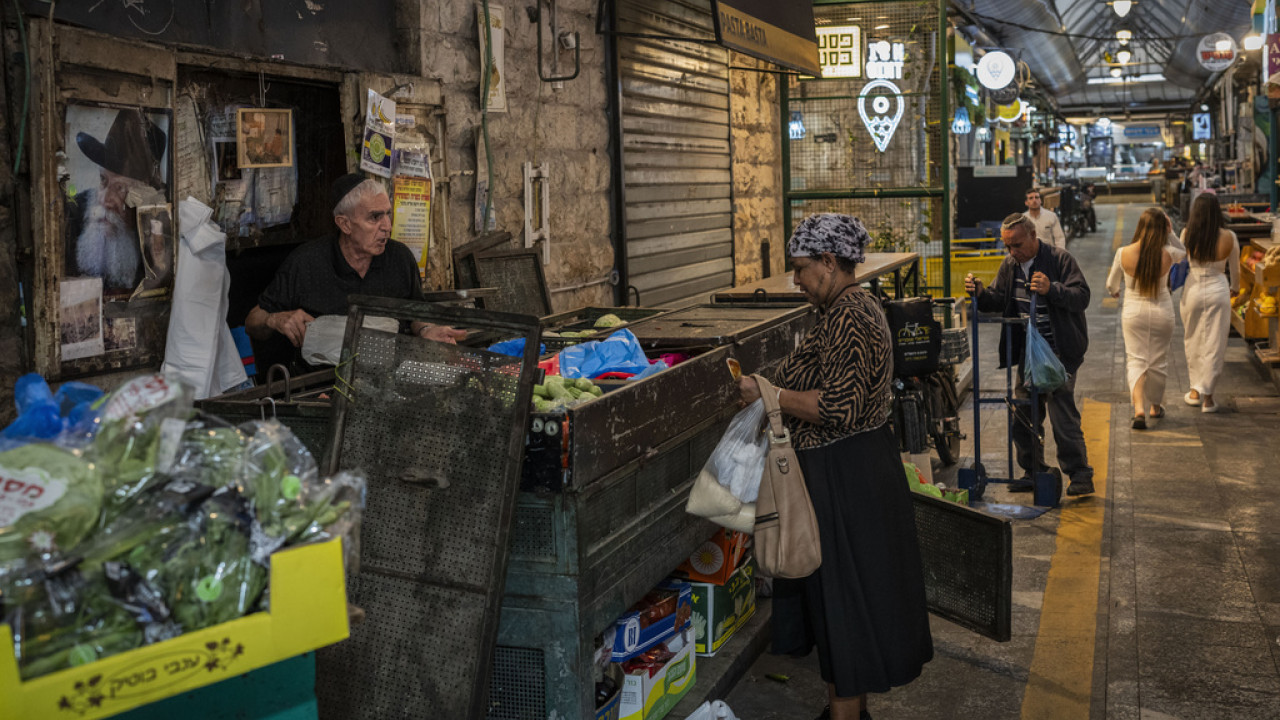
x=1141 y=269
x=1212 y=251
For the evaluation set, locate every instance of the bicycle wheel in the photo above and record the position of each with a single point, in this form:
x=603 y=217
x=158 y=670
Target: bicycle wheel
x=944 y=426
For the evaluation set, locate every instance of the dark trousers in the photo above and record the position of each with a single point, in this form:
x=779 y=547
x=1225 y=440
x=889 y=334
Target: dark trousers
x=1073 y=458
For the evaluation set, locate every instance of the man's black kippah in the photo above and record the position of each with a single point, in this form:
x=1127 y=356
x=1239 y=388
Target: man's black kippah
x=344 y=185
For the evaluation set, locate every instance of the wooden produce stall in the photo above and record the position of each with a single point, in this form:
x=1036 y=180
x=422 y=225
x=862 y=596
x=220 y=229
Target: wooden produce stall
x=1255 y=282
x=600 y=517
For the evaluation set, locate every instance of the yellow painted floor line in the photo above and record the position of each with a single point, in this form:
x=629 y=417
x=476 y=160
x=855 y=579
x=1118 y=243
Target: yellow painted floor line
x=1117 y=239
x=1060 y=682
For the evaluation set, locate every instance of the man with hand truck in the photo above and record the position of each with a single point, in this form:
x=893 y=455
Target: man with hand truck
x=1062 y=297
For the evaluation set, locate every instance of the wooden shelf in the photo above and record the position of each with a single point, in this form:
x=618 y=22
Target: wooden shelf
x=1266 y=355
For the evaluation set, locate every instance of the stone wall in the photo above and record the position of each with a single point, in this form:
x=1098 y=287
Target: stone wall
x=566 y=127
x=757 y=168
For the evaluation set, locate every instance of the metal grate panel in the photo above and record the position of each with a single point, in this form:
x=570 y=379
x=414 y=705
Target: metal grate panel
x=968 y=565
x=518 y=688
x=437 y=428
x=517 y=275
x=534 y=534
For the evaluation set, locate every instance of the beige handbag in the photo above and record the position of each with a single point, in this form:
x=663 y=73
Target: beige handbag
x=786 y=531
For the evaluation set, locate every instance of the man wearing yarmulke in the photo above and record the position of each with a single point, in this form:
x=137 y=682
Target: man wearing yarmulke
x=362 y=259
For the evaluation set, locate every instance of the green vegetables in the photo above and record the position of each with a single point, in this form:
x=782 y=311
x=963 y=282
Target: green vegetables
x=49 y=500
x=161 y=526
x=558 y=392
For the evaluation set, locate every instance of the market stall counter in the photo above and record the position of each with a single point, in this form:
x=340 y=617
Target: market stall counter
x=782 y=288
x=600 y=517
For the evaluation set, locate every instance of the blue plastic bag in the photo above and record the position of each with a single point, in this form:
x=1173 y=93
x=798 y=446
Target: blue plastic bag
x=514 y=348
x=620 y=352
x=1041 y=369
x=43 y=414
x=1178 y=274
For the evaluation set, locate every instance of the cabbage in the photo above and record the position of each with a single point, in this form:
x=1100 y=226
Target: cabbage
x=608 y=320
x=49 y=500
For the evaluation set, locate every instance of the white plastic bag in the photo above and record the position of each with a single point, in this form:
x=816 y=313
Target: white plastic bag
x=716 y=710
x=738 y=461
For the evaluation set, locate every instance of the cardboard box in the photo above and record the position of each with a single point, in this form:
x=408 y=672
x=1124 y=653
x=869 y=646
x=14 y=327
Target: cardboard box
x=632 y=638
x=308 y=610
x=719 y=610
x=716 y=559
x=651 y=698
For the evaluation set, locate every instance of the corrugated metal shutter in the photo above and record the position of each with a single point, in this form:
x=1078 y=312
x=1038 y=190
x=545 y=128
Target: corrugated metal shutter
x=677 y=180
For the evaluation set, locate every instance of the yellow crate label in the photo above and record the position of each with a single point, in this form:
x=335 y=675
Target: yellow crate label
x=150 y=678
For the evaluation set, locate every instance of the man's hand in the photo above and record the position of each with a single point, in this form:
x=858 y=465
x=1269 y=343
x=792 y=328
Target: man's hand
x=972 y=285
x=441 y=333
x=291 y=324
x=1039 y=283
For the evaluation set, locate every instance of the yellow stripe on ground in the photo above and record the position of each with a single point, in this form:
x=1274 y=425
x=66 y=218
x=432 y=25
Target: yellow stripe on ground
x=1117 y=239
x=1060 y=683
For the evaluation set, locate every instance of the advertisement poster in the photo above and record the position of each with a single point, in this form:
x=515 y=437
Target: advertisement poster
x=497 y=72
x=411 y=205
x=379 y=134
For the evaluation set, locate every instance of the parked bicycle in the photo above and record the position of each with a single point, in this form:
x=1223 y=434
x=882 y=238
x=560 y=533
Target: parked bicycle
x=926 y=402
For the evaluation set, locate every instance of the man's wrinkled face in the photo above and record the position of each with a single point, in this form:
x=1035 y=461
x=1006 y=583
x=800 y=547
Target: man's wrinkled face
x=1021 y=245
x=1033 y=201
x=113 y=191
x=369 y=224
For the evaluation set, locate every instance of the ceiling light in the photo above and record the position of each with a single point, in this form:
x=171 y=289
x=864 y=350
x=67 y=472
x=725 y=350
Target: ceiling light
x=1123 y=56
x=1122 y=7
x=1116 y=72
x=1253 y=41
x=882 y=27
x=1124 y=36
x=1104 y=122
x=1204 y=108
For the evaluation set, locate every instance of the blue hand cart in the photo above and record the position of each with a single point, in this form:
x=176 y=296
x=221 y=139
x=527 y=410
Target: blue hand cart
x=1046 y=483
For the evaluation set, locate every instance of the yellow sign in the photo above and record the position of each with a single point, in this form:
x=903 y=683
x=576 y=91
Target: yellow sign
x=1010 y=112
x=411 y=223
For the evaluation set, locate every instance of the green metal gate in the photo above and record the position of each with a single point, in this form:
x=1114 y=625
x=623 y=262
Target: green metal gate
x=868 y=138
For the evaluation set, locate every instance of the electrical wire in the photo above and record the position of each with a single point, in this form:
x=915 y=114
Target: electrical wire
x=26 y=89
x=1082 y=36
x=487 y=69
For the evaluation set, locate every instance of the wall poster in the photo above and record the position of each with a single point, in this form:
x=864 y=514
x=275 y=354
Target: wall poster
x=119 y=235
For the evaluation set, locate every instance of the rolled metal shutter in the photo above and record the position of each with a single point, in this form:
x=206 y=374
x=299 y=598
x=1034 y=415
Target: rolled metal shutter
x=677 y=181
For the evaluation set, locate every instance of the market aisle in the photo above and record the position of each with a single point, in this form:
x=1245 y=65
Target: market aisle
x=1158 y=597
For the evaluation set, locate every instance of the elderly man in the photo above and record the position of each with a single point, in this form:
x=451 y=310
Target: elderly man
x=101 y=228
x=1048 y=227
x=1063 y=295
x=317 y=277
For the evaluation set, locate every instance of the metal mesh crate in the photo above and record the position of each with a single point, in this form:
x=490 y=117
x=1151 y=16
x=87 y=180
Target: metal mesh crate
x=298 y=402
x=438 y=429
x=968 y=565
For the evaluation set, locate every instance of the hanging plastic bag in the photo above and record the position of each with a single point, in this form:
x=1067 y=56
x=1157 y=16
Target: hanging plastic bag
x=1042 y=369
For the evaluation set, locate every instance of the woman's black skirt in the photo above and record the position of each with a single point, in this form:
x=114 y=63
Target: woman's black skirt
x=864 y=608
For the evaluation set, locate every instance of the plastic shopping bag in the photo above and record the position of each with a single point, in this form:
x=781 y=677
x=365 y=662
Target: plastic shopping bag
x=732 y=473
x=738 y=460
x=1041 y=368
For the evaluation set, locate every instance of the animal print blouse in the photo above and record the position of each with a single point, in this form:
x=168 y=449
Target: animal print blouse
x=847 y=356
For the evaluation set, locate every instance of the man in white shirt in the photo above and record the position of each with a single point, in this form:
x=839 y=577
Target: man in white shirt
x=1048 y=229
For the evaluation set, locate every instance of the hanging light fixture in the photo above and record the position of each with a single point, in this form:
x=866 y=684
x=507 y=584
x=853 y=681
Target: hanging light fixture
x=1253 y=41
x=1122 y=7
x=1123 y=57
x=1124 y=36
x=1116 y=72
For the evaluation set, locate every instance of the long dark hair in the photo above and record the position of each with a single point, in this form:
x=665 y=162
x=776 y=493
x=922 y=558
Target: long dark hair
x=1151 y=236
x=1203 y=228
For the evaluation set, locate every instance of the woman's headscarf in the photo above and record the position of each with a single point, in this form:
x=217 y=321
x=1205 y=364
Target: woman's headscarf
x=835 y=233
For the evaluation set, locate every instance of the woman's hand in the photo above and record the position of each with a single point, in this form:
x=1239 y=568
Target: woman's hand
x=748 y=389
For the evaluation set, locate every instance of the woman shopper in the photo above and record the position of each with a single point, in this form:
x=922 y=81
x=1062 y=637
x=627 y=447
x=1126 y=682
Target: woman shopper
x=1141 y=269
x=864 y=608
x=1206 y=297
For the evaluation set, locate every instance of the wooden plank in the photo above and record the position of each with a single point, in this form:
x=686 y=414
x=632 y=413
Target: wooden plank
x=83 y=48
x=43 y=146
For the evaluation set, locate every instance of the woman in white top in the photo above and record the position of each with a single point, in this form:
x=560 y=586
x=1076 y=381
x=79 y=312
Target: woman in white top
x=1141 y=269
x=1212 y=251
